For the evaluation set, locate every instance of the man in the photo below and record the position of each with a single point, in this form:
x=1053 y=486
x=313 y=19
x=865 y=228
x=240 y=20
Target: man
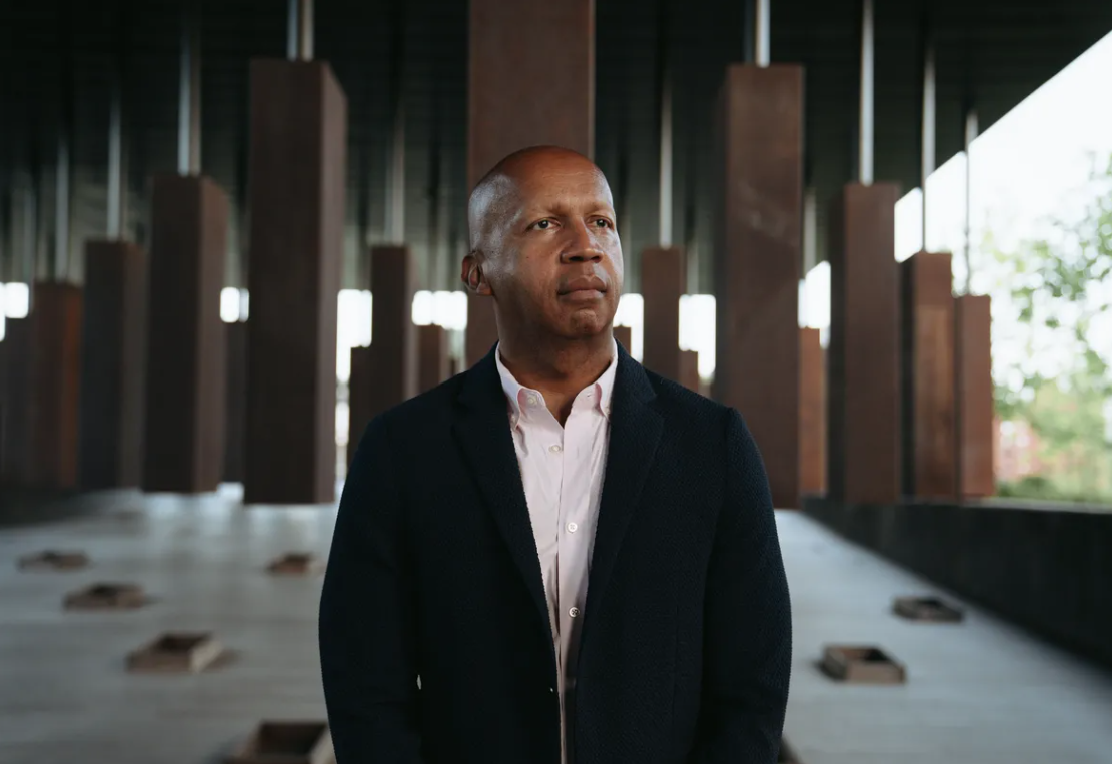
x=557 y=555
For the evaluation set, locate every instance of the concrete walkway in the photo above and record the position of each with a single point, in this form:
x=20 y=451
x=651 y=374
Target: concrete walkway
x=981 y=692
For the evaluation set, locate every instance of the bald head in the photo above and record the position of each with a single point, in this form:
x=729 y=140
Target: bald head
x=498 y=197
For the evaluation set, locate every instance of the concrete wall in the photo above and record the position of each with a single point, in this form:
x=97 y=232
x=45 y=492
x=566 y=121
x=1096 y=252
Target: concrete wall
x=1049 y=570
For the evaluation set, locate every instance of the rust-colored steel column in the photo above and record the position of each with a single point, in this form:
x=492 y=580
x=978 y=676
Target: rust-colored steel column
x=297 y=182
x=927 y=376
x=863 y=364
x=360 y=395
x=812 y=413
x=236 y=422
x=624 y=336
x=433 y=367
x=185 y=392
x=689 y=370
x=663 y=282
x=974 y=396
x=15 y=392
x=113 y=370
x=504 y=112
x=759 y=232
x=55 y=384
x=390 y=375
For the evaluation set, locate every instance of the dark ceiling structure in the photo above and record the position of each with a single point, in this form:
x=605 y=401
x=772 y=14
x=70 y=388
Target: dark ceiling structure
x=58 y=59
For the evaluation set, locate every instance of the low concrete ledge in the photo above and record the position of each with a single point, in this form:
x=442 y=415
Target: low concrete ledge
x=1046 y=569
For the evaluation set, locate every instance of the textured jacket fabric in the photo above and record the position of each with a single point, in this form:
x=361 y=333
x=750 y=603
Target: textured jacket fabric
x=433 y=573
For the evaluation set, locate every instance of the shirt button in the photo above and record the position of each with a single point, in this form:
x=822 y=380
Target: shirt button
x=574 y=612
x=532 y=400
x=555 y=449
x=572 y=527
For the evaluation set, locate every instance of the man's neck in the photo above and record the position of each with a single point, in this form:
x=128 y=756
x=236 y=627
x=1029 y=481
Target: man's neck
x=558 y=369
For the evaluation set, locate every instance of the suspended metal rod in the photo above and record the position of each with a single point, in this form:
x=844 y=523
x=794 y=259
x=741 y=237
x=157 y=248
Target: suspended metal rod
x=189 y=96
x=664 y=85
x=971 y=130
x=865 y=135
x=761 y=42
x=117 y=158
x=928 y=139
x=395 y=224
x=299 y=41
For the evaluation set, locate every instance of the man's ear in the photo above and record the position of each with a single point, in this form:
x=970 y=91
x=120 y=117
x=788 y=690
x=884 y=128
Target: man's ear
x=471 y=273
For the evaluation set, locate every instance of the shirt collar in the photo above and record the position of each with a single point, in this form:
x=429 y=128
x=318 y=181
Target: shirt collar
x=521 y=399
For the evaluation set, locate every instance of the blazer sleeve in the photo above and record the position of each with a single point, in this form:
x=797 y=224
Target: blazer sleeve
x=367 y=619
x=748 y=634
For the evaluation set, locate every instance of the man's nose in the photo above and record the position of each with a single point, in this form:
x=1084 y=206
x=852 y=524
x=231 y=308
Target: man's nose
x=582 y=246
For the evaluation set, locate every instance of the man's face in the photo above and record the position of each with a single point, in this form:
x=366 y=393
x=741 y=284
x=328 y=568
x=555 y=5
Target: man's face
x=555 y=261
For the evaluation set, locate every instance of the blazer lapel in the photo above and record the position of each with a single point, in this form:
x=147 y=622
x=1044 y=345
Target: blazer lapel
x=483 y=432
x=635 y=430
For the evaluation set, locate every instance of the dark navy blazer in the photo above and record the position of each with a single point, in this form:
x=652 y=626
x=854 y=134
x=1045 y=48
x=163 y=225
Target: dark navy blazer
x=433 y=573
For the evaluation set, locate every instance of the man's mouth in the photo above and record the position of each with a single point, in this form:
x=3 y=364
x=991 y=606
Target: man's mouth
x=585 y=286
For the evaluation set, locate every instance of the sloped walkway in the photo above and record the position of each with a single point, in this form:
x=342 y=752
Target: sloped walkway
x=981 y=692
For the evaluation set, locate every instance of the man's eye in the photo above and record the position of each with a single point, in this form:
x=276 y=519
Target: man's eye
x=542 y=224
x=603 y=222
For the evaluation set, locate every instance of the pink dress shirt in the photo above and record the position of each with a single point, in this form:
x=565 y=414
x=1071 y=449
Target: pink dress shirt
x=562 y=471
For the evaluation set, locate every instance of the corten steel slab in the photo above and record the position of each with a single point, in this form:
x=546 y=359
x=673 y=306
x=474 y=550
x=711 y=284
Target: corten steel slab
x=433 y=360
x=689 y=371
x=176 y=653
x=294 y=564
x=663 y=282
x=185 y=378
x=862 y=664
x=236 y=406
x=277 y=742
x=393 y=334
x=927 y=376
x=15 y=387
x=55 y=397
x=106 y=596
x=812 y=413
x=359 y=396
x=974 y=396
x=297 y=179
x=758 y=232
x=862 y=359
x=927 y=609
x=4 y=412
x=504 y=112
x=624 y=336
x=54 y=559
x=481 y=332
x=113 y=370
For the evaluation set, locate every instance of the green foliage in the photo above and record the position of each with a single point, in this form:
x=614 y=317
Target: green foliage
x=1058 y=287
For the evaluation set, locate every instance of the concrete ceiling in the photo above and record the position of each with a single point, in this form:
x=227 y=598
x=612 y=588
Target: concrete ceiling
x=990 y=54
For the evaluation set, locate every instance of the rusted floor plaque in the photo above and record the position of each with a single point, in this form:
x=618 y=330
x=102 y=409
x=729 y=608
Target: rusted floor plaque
x=786 y=755
x=862 y=665
x=54 y=560
x=106 y=597
x=176 y=652
x=927 y=609
x=294 y=564
x=288 y=743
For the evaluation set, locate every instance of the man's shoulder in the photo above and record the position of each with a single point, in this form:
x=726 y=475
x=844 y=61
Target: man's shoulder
x=434 y=404
x=676 y=401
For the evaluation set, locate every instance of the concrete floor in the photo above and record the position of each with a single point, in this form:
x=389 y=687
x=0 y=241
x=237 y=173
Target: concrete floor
x=978 y=693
